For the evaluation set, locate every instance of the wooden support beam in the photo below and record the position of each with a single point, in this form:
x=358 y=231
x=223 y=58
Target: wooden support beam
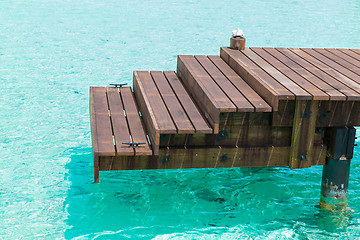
x=303 y=134
x=216 y=157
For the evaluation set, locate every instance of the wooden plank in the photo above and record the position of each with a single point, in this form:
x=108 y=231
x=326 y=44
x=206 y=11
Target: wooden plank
x=336 y=68
x=331 y=72
x=346 y=68
x=175 y=109
x=187 y=103
x=103 y=143
x=351 y=54
x=161 y=114
x=147 y=113
x=198 y=92
x=221 y=101
x=259 y=104
x=353 y=61
x=341 y=87
x=292 y=63
x=178 y=158
x=258 y=79
x=241 y=103
x=315 y=92
x=356 y=51
x=138 y=134
x=303 y=134
x=118 y=122
x=299 y=92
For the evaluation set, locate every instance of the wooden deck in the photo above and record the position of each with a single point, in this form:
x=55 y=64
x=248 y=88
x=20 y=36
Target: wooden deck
x=251 y=107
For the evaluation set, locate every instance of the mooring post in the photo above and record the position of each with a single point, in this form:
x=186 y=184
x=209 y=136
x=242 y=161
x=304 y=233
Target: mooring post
x=237 y=42
x=335 y=178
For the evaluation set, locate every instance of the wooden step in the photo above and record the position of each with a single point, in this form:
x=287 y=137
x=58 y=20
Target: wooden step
x=217 y=88
x=115 y=120
x=166 y=106
x=296 y=74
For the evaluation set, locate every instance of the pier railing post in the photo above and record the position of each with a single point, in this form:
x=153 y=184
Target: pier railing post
x=335 y=178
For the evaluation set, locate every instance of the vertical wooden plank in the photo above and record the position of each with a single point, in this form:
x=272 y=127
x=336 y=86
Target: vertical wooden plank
x=118 y=122
x=260 y=81
x=152 y=127
x=187 y=103
x=100 y=123
x=199 y=93
x=302 y=140
x=134 y=122
x=175 y=109
x=254 y=98
x=241 y=103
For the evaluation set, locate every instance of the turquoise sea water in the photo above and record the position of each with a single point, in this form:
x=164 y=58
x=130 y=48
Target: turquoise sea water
x=52 y=51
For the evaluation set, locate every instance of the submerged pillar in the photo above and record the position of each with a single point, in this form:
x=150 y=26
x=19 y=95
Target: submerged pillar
x=335 y=178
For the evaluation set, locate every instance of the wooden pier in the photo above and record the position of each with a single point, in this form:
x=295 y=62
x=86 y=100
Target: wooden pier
x=256 y=107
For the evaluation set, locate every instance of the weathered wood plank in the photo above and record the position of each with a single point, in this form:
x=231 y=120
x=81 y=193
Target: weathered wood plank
x=198 y=91
x=336 y=68
x=175 y=109
x=179 y=158
x=299 y=92
x=353 y=61
x=137 y=131
x=118 y=122
x=259 y=104
x=341 y=87
x=316 y=93
x=103 y=143
x=151 y=124
x=292 y=63
x=187 y=103
x=351 y=54
x=161 y=114
x=344 y=66
x=355 y=87
x=214 y=92
x=241 y=103
x=258 y=79
x=303 y=134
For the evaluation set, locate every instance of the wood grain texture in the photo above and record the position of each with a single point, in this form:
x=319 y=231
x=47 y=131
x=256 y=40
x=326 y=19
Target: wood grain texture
x=338 y=63
x=352 y=89
x=195 y=116
x=118 y=122
x=259 y=104
x=235 y=96
x=316 y=93
x=299 y=92
x=353 y=61
x=173 y=105
x=103 y=144
x=138 y=134
x=291 y=61
x=351 y=54
x=303 y=134
x=147 y=113
x=179 y=158
x=199 y=92
x=258 y=79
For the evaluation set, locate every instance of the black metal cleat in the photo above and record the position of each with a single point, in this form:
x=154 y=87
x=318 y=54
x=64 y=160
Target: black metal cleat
x=118 y=85
x=134 y=144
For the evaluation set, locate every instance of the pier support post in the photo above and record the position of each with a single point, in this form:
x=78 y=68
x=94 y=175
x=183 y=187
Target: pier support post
x=335 y=178
x=96 y=167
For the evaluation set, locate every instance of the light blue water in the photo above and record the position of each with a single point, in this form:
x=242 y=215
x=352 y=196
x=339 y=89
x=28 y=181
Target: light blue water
x=52 y=51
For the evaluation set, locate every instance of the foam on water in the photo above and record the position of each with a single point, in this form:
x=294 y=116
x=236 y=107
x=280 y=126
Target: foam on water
x=52 y=51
